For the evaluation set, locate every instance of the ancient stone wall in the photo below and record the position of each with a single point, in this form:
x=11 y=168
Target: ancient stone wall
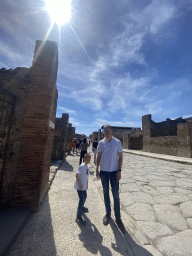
x=69 y=138
x=133 y=139
x=60 y=136
x=167 y=145
x=18 y=82
x=178 y=141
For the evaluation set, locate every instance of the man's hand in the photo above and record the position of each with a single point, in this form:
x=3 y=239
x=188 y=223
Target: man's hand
x=97 y=174
x=118 y=175
x=80 y=187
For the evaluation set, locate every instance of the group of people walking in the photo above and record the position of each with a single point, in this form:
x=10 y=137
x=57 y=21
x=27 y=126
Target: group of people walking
x=108 y=168
x=80 y=145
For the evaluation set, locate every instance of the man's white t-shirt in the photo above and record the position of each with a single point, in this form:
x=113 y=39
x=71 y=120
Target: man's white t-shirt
x=109 y=154
x=83 y=172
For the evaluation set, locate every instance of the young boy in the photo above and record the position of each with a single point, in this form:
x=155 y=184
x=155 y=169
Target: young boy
x=81 y=184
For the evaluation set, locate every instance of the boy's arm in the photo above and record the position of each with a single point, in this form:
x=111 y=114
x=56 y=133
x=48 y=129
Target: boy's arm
x=79 y=182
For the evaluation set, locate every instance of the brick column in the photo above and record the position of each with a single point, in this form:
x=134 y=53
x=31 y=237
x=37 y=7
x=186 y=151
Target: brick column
x=146 y=127
x=34 y=158
x=184 y=134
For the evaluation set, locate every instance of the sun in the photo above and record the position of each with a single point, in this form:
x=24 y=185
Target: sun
x=59 y=10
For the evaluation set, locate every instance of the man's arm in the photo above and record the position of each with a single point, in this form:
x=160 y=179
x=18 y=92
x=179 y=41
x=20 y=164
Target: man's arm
x=98 y=163
x=120 y=162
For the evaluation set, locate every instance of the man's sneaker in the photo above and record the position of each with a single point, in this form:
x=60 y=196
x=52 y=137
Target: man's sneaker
x=80 y=221
x=106 y=219
x=85 y=210
x=120 y=225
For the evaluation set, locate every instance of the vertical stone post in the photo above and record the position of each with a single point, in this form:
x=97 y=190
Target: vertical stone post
x=184 y=134
x=146 y=127
x=31 y=181
x=99 y=135
x=125 y=140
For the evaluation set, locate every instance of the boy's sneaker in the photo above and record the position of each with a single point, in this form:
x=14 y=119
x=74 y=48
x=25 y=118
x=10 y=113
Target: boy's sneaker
x=106 y=219
x=80 y=221
x=120 y=225
x=85 y=210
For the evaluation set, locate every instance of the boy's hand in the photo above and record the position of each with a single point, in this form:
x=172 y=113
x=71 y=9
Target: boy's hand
x=80 y=187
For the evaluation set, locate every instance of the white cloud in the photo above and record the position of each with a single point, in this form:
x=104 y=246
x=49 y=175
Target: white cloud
x=66 y=110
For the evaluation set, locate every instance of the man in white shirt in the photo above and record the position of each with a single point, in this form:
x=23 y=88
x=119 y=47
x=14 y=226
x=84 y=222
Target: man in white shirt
x=110 y=158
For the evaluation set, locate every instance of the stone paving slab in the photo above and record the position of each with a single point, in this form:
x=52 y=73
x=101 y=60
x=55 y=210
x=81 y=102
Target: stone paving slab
x=170 y=187
x=52 y=231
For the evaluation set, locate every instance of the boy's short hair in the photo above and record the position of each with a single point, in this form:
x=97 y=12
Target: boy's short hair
x=87 y=155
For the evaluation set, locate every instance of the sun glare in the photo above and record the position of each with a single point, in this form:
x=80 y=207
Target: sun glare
x=59 y=10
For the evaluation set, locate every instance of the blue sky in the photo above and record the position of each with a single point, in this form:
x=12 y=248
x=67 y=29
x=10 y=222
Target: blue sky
x=118 y=60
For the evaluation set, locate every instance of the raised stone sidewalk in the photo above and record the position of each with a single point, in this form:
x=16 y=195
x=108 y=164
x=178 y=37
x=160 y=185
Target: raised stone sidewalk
x=157 y=195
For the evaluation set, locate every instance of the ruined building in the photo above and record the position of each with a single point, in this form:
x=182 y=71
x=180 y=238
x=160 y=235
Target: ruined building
x=28 y=100
x=170 y=137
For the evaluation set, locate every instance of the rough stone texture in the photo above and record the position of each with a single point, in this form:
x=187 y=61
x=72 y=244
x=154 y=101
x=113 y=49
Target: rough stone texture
x=129 y=187
x=165 y=190
x=189 y=222
x=176 y=245
x=141 y=211
x=170 y=216
x=186 y=209
x=170 y=199
x=184 y=183
x=154 y=229
x=152 y=250
x=126 y=199
x=140 y=197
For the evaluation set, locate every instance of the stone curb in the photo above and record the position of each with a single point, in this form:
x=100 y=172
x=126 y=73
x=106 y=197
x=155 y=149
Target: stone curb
x=178 y=159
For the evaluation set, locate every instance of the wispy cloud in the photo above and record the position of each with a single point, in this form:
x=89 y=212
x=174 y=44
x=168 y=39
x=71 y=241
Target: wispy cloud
x=66 y=110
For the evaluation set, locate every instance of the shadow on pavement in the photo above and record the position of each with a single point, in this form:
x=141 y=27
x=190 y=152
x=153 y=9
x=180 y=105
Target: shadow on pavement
x=92 y=239
x=66 y=167
x=36 y=237
x=134 y=249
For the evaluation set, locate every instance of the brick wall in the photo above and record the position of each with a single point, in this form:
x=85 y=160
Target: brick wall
x=38 y=128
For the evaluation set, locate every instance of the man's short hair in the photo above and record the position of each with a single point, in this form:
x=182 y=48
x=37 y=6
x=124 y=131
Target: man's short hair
x=107 y=126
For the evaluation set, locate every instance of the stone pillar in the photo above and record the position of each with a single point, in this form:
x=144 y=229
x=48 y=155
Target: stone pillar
x=146 y=127
x=184 y=134
x=125 y=141
x=31 y=181
x=99 y=135
x=58 y=151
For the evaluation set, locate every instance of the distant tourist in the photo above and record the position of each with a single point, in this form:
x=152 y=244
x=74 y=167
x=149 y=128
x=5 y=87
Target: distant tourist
x=84 y=145
x=94 y=149
x=110 y=158
x=74 y=144
x=77 y=145
x=81 y=184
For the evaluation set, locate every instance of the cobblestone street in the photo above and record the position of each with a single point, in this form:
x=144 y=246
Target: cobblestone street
x=157 y=194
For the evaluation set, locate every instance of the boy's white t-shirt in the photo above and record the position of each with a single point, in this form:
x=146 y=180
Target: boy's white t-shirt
x=83 y=172
x=109 y=151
